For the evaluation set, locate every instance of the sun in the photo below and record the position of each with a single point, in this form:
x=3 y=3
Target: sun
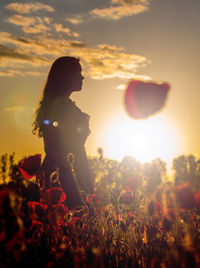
x=144 y=139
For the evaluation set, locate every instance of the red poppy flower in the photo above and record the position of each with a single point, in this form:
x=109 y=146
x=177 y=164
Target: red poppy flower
x=184 y=196
x=143 y=99
x=133 y=182
x=39 y=212
x=128 y=189
x=90 y=197
x=53 y=196
x=61 y=209
x=131 y=215
x=30 y=166
x=34 y=205
x=154 y=207
x=197 y=198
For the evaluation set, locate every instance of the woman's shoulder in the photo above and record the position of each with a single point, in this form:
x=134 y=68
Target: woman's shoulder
x=64 y=107
x=72 y=106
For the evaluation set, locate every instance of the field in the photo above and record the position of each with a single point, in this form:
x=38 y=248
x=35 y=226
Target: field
x=137 y=217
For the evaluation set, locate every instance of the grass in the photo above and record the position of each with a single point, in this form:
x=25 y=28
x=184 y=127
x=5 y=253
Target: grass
x=136 y=217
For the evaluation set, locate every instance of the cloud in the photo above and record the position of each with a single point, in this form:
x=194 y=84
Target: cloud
x=9 y=73
x=46 y=39
x=20 y=42
x=28 y=8
x=35 y=25
x=75 y=20
x=31 y=25
x=100 y=62
x=106 y=61
x=37 y=45
x=21 y=20
x=15 y=59
x=13 y=73
x=76 y=44
x=59 y=28
x=6 y=52
x=129 y=1
x=122 y=9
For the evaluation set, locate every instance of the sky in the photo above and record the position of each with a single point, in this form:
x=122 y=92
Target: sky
x=117 y=41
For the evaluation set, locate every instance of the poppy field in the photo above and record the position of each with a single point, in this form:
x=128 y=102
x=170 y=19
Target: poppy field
x=137 y=216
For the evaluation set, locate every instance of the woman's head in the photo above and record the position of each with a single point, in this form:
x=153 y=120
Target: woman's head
x=64 y=76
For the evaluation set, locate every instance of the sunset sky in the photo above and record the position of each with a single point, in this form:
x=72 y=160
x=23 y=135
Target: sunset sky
x=117 y=41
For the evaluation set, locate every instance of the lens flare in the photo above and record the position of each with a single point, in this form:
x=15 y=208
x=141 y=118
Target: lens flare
x=55 y=123
x=46 y=122
x=143 y=139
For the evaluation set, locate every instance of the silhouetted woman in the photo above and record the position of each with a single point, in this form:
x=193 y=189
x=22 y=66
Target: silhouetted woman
x=64 y=128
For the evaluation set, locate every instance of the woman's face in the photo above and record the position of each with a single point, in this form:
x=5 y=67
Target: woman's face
x=75 y=79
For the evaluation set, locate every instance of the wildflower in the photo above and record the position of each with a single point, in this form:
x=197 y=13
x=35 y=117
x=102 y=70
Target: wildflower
x=128 y=189
x=100 y=152
x=61 y=209
x=133 y=182
x=197 y=198
x=131 y=215
x=53 y=196
x=154 y=207
x=145 y=98
x=75 y=220
x=30 y=166
x=38 y=209
x=90 y=197
x=184 y=196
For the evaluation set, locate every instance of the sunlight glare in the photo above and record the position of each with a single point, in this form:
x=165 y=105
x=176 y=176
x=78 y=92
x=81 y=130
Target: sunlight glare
x=143 y=139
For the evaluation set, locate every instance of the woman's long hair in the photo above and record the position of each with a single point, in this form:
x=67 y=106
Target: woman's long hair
x=55 y=86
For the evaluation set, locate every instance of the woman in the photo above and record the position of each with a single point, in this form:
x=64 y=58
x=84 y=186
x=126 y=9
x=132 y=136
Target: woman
x=64 y=129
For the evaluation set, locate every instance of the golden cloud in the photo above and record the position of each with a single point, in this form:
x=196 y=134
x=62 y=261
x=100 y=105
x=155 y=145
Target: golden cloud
x=124 y=8
x=9 y=73
x=103 y=61
x=130 y=2
x=28 y=8
x=13 y=73
x=35 y=25
x=21 y=42
x=31 y=24
x=39 y=49
x=6 y=52
x=59 y=28
x=75 y=20
x=106 y=61
x=13 y=57
x=21 y=20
